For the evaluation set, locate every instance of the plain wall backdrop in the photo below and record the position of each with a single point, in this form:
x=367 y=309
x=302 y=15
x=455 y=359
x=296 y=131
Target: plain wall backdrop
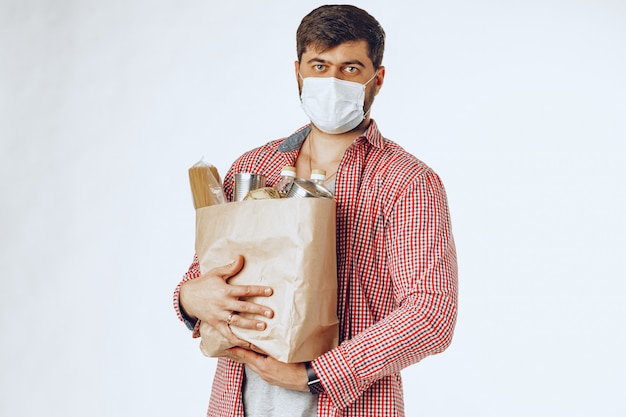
x=520 y=106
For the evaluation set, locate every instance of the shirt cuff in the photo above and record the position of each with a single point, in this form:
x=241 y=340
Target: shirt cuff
x=189 y=322
x=340 y=383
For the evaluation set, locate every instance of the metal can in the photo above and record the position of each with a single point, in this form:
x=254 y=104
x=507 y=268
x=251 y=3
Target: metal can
x=302 y=188
x=246 y=182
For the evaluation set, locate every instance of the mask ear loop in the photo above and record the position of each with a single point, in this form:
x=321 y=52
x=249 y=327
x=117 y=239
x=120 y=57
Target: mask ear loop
x=368 y=81
x=302 y=88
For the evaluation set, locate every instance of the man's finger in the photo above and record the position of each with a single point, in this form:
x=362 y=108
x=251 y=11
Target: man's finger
x=230 y=269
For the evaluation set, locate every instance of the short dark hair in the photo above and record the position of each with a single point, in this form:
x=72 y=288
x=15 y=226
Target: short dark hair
x=331 y=25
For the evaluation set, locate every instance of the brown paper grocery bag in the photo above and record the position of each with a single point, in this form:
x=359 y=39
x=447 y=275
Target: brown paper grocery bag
x=289 y=245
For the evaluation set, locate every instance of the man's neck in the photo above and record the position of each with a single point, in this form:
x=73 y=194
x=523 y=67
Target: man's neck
x=324 y=151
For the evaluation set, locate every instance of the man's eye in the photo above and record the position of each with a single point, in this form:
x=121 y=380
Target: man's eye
x=319 y=67
x=351 y=70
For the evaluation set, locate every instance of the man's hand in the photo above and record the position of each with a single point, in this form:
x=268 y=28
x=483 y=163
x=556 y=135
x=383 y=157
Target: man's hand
x=212 y=300
x=291 y=376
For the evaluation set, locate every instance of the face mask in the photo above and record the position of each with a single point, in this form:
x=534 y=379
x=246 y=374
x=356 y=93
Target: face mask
x=334 y=106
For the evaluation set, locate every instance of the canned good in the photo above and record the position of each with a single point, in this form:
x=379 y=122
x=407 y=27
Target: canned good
x=302 y=188
x=246 y=182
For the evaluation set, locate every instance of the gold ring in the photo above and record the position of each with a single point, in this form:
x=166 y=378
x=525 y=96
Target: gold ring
x=230 y=317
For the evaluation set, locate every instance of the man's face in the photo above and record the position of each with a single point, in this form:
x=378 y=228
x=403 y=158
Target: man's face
x=348 y=61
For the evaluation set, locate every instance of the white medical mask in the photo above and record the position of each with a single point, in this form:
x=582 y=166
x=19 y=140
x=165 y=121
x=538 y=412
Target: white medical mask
x=334 y=106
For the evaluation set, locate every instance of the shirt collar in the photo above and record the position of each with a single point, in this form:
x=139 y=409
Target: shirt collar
x=294 y=142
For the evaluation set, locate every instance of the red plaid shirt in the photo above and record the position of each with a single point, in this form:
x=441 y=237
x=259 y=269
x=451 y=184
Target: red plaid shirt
x=396 y=269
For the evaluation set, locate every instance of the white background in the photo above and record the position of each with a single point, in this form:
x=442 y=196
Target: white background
x=520 y=106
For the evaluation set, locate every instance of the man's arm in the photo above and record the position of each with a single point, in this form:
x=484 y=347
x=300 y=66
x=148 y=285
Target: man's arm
x=422 y=267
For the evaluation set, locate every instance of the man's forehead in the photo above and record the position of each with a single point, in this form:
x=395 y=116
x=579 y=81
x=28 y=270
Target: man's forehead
x=346 y=51
x=319 y=47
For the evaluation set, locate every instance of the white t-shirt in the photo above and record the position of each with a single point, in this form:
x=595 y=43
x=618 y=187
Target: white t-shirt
x=261 y=399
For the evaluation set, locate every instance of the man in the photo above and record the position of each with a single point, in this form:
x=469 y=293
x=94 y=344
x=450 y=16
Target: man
x=396 y=260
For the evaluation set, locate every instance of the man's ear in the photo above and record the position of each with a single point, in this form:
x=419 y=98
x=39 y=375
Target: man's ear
x=296 y=65
x=380 y=78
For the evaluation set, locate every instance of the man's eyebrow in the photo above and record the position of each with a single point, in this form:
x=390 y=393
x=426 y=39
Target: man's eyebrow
x=323 y=61
x=355 y=62
x=318 y=60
